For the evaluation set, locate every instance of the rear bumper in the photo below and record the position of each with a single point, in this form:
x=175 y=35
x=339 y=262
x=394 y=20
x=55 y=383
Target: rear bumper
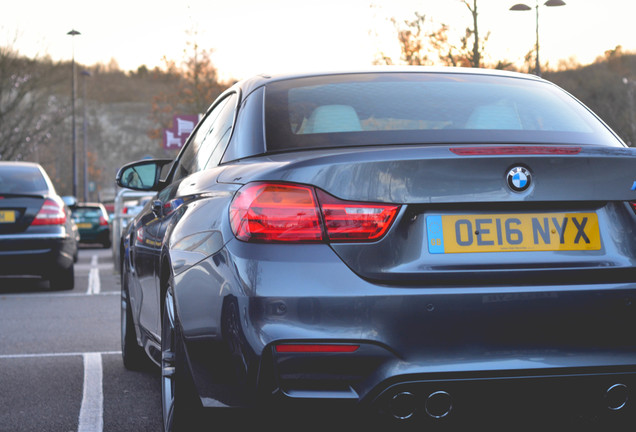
x=101 y=235
x=375 y=386
x=35 y=254
x=483 y=346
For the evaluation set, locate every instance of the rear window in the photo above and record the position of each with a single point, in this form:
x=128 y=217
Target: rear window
x=20 y=179
x=88 y=212
x=403 y=108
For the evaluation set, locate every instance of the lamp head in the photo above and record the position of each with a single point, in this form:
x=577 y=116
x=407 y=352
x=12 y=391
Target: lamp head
x=520 y=7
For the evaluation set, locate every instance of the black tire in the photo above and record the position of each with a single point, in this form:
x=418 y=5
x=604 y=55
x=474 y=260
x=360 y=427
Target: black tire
x=132 y=354
x=63 y=279
x=181 y=407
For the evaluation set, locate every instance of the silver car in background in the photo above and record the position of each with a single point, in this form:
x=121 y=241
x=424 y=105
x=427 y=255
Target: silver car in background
x=128 y=203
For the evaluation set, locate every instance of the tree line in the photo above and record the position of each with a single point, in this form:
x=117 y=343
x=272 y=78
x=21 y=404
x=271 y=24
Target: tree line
x=122 y=114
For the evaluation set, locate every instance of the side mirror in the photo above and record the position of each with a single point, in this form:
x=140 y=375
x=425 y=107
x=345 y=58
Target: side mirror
x=70 y=201
x=144 y=175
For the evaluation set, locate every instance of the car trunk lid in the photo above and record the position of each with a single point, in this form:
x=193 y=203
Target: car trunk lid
x=462 y=219
x=18 y=211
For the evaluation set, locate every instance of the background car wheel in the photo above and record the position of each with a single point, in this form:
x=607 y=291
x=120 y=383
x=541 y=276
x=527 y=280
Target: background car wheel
x=180 y=406
x=63 y=279
x=133 y=355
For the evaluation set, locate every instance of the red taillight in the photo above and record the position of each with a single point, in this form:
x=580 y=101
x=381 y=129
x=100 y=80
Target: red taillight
x=633 y=204
x=103 y=221
x=265 y=212
x=316 y=348
x=272 y=212
x=355 y=221
x=51 y=213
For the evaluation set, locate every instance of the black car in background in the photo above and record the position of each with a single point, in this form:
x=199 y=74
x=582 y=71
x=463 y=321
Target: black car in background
x=431 y=245
x=92 y=223
x=37 y=236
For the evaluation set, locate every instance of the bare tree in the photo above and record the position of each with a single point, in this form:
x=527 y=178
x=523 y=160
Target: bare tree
x=412 y=40
x=29 y=110
x=475 y=58
x=198 y=86
x=420 y=41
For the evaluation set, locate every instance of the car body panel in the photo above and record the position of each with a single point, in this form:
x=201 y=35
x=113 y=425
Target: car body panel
x=433 y=174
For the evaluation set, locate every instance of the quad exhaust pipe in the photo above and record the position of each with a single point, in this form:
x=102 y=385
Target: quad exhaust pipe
x=438 y=405
x=616 y=397
x=403 y=405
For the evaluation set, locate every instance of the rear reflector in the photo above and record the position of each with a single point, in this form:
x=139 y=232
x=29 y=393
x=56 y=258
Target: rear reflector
x=316 y=348
x=515 y=150
x=51 y=213
x=281 y=212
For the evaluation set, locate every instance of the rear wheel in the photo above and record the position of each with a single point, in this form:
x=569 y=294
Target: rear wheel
x=63 y=279
x=180 y=405
x=132 y=354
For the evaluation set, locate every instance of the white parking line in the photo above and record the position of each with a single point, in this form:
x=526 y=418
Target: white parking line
x=44 y=355
x=94 y=285
x=91 y=417
x=54 y=295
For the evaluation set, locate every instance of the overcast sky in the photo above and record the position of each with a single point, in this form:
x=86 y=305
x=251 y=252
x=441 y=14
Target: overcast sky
x=250 y=36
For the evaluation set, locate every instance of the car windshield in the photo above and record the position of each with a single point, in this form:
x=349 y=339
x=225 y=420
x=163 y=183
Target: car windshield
x=21 y=180
x=404 y=108
x=87 y=212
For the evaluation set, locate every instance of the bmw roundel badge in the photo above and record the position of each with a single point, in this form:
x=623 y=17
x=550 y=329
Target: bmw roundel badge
x=519 y=179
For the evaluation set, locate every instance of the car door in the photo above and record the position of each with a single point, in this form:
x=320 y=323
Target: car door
x=150 y=235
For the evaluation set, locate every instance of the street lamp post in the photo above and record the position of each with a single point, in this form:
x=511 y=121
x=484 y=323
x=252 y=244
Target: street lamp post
x=525 y=7
x=85 y=74
x=73 y=33
x=630 y=101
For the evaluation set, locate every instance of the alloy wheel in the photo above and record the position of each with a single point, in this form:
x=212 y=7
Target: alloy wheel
x=168 y=363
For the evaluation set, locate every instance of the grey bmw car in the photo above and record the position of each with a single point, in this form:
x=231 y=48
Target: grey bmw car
x=418 y=245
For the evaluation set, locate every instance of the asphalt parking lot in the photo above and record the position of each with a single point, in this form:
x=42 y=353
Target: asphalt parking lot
x=60 y=359
x=61 y=367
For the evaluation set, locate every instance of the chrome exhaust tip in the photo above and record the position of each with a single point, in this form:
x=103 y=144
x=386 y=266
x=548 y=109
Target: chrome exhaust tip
x=616 y=397
x=403 y=405
x=438 y=405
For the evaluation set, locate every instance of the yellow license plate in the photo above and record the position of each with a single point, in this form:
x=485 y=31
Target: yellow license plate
x=512 y=232
x=85 y=225
x=7 y=216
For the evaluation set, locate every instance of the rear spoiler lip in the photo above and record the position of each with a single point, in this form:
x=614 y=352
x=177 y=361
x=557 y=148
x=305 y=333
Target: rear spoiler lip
x=21 y=195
